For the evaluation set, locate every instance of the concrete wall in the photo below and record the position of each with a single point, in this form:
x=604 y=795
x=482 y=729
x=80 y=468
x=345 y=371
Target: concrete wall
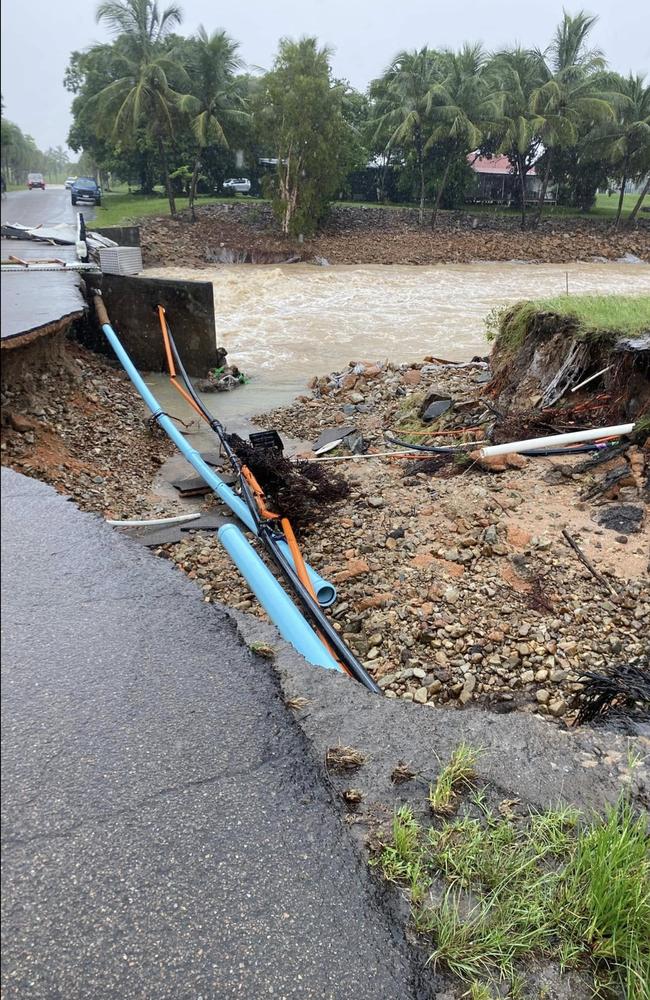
x=132 y=306
x=124 y=236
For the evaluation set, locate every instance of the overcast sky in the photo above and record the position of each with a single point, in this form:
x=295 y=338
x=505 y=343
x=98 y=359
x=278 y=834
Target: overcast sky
x=38 y=36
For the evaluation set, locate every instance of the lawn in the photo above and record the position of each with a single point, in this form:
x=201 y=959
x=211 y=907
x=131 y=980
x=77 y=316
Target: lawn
x=628 y=314
x=600 y=317
x=605 y=207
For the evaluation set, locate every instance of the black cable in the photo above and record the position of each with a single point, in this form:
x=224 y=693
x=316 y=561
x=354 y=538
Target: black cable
x=434 y=449
x=270 y=539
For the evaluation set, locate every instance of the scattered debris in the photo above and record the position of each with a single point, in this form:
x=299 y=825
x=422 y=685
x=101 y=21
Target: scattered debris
x=192 y=486
x=330 y=436
x=401 y=773
x=623 y=690
x=587 y=562
x=304 y=489
x=298 y=703
x=626 y=519
x=433 y=407
x=341 y=759
x=352 y=797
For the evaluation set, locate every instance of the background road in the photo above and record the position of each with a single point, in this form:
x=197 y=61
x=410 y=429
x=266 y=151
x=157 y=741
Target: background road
x=51 y=206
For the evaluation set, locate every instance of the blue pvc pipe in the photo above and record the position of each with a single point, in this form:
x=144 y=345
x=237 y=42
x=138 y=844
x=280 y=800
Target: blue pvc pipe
x=210 y=477
x=325 y=591
x=278 y=605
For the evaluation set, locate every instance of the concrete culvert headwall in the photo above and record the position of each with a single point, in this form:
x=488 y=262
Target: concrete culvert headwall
x=132 y=306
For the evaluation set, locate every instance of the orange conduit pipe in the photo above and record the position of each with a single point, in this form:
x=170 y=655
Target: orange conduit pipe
x=171 y=366
x=303 y=576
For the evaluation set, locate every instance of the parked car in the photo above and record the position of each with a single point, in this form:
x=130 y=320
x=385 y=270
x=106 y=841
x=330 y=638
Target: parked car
x=86 y=189
x=240 y=185
x=35 y=181
x=69 y=181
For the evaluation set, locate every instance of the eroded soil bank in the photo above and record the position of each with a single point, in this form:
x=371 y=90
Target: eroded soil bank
x=72 y=419
x=245 y=231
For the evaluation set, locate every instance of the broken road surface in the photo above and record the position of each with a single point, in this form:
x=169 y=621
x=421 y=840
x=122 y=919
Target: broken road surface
x=166 y=832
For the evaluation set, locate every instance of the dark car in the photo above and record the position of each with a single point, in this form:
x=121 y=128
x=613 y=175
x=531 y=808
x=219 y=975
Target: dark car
x=86 y=189
x=35 y=181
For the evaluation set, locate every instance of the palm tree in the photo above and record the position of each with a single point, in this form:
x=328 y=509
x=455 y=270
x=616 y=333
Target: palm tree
x=570 y=99
x=460 y=107
x=625 y=141
x=517 y=74
x=405 y=99
x=142 y=96
x=213 y=99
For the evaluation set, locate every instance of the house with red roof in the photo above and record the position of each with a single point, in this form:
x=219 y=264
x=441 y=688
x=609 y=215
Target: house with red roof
x=497 y=183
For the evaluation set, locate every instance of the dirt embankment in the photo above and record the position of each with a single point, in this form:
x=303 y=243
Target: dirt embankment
x=247 y=232
x=74 y=421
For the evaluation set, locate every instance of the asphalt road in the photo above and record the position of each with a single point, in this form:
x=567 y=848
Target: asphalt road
x=51 y=206
x=166 y=833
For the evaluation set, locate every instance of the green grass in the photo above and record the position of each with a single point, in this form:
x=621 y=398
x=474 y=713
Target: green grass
x=595 y=317
x=605 y=208
x=551 y=885
x=625 y=314
x=457 y=774
x=121 y=208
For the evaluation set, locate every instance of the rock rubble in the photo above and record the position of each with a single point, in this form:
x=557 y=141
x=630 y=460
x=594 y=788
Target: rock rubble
x=454 y=586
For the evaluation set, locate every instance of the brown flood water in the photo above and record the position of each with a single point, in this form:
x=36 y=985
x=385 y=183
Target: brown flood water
x=281 y=324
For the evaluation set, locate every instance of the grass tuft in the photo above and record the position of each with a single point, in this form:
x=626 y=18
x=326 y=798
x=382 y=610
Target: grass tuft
x=297 y=703
x=459 y=772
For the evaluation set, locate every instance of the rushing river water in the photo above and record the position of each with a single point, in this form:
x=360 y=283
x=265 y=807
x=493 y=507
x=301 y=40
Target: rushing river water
x=283 y=323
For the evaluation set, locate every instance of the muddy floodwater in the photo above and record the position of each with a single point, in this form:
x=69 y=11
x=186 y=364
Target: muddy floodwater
x=283 y=324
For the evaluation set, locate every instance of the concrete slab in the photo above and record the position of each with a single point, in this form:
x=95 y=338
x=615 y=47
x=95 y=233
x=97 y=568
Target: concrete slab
x=38 y=301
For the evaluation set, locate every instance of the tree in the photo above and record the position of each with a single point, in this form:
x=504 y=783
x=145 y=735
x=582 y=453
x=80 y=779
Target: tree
x=404 y=107
x=142 y=96
x=517 y=75
x=625 y=141
x=569 y=101
x=20 y=154
x=299 y=113
x=637 y=206
x=460 y=108
x=213 y=101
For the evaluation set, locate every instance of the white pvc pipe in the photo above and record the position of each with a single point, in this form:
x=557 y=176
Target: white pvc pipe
x=154 y=522
x=532 y=444
x=590 y=379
